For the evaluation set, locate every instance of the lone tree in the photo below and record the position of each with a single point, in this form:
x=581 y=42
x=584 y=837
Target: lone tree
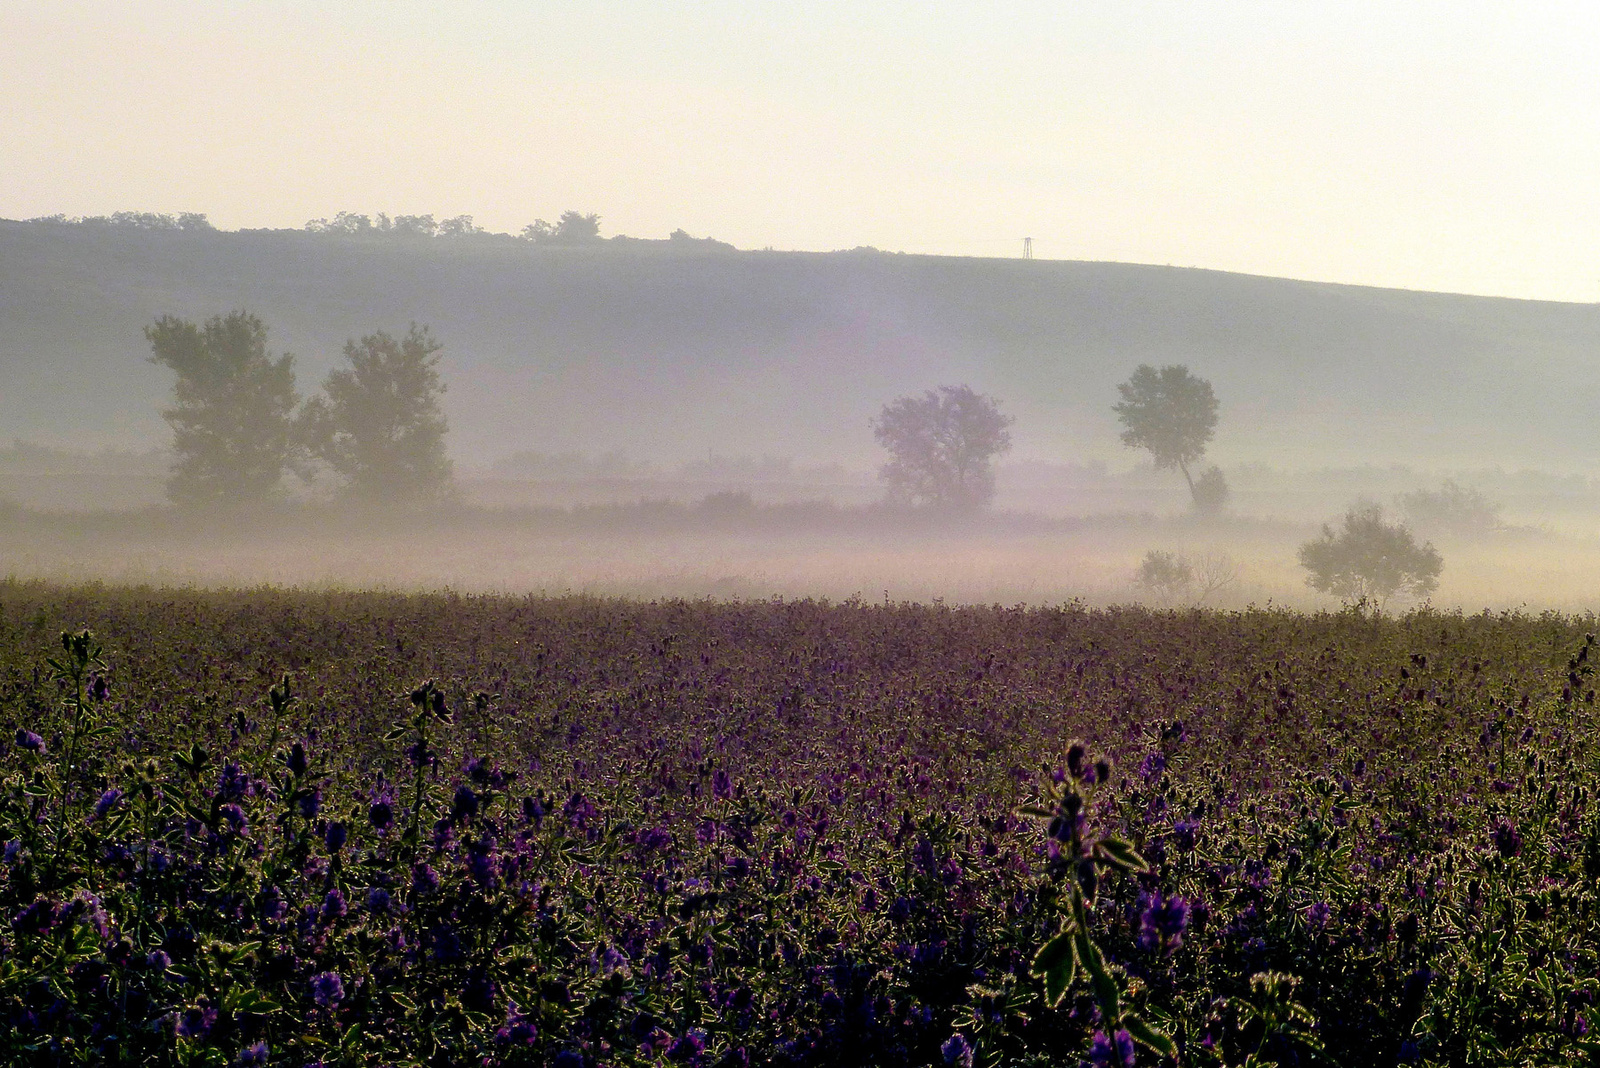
x=1174 y=415
x=379 y=425
x=1370 y=560
x=941 y=447
x=233 y=420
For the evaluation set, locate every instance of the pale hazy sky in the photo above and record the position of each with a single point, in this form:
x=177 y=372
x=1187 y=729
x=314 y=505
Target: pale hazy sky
x=1450 y=145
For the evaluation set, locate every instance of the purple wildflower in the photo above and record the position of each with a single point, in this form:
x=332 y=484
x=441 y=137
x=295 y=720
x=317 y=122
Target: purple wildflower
x=327 y=989
x=157 y=961
x=296 y=762
x=519 y=1030
x=30 y=741
x=272 y=906
x=1317 y=915
x=465 y=803
x=196 y=1021
x=1075 y=755
x=233 y=783
x=381 y=814
x=378 y=901
x=36 y=919
x=99 y=689
x=310 y=803
x=233 y=815
x=1115 y=1051
x=334 y=837
x=334 y=905
x=1506 y=838
x=1162 y=923
x=254 y=1056
x=689 y=1048
x=957 y=1051
x=107 y=802
x=424 y=880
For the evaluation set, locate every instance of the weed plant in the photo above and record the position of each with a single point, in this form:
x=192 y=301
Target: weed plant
x=275 y=828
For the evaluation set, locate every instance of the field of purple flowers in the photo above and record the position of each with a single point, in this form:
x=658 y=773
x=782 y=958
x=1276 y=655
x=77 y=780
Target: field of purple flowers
x=356 y=829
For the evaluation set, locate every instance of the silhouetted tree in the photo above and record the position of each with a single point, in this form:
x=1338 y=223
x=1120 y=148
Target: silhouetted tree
x=1173 y=414
x=379 y=425
x=233 y=423
x=1370 y=560
x=573 y=228
x=941 y=447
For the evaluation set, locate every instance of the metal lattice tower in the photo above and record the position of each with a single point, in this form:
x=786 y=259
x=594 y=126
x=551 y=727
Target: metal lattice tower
x=1027 y=248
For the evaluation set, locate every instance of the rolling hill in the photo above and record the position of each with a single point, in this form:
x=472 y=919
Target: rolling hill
x=670 y=350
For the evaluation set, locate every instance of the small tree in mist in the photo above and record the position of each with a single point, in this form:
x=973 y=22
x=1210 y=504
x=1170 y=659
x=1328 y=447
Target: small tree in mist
x=1369 y=560
x=941 y=447
x=1210 y=492
x=1177 y=577
x=1453 y=509
x=1166 y=575
x=233 y=420
x=573 y=228
x=379 y=424
x=1173 y=414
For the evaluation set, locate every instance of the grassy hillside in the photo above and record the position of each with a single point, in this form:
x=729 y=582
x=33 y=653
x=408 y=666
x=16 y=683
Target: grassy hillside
x=667 y=353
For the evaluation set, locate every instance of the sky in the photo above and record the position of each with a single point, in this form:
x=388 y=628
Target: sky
x=1442 y=146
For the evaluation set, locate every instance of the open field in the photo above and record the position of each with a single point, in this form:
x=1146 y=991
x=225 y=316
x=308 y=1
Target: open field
x=626 y=833
x=663 y=549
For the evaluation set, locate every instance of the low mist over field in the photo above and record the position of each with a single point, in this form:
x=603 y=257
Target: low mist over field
x=681 y=418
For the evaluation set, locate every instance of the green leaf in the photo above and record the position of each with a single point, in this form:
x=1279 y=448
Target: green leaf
x=1149 y=1037
x=1057 y=961
x=254 y=1002
x=1105 y=986
x=1120 y=854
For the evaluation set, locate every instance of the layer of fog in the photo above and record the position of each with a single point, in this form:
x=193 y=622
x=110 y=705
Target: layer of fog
x=762 y=527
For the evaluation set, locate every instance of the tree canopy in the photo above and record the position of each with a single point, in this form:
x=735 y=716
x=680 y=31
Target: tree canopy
x=941 y=447
x=1369 y=560
x=1172 y=414
x=573 y=228
x=233 y=420
x=379 y=424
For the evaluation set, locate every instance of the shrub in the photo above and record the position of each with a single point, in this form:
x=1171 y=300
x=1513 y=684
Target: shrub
x=1452 y=508
x=1369 y=560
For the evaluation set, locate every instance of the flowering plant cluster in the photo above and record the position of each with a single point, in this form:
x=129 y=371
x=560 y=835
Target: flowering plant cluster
x=625 y=834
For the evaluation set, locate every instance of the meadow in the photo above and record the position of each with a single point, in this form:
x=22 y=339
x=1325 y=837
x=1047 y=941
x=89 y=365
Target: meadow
x=277 y=827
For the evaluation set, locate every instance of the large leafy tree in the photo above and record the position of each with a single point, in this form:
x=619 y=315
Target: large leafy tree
x=233 y=416
x=1369 y=560
x=379 y=424
x=1173 y=414
x=941 y=447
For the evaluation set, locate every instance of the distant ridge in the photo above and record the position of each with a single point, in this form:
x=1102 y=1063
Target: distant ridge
x=669 y=349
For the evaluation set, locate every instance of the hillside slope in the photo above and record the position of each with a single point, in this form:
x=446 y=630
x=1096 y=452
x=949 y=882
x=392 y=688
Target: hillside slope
x=670 y=354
